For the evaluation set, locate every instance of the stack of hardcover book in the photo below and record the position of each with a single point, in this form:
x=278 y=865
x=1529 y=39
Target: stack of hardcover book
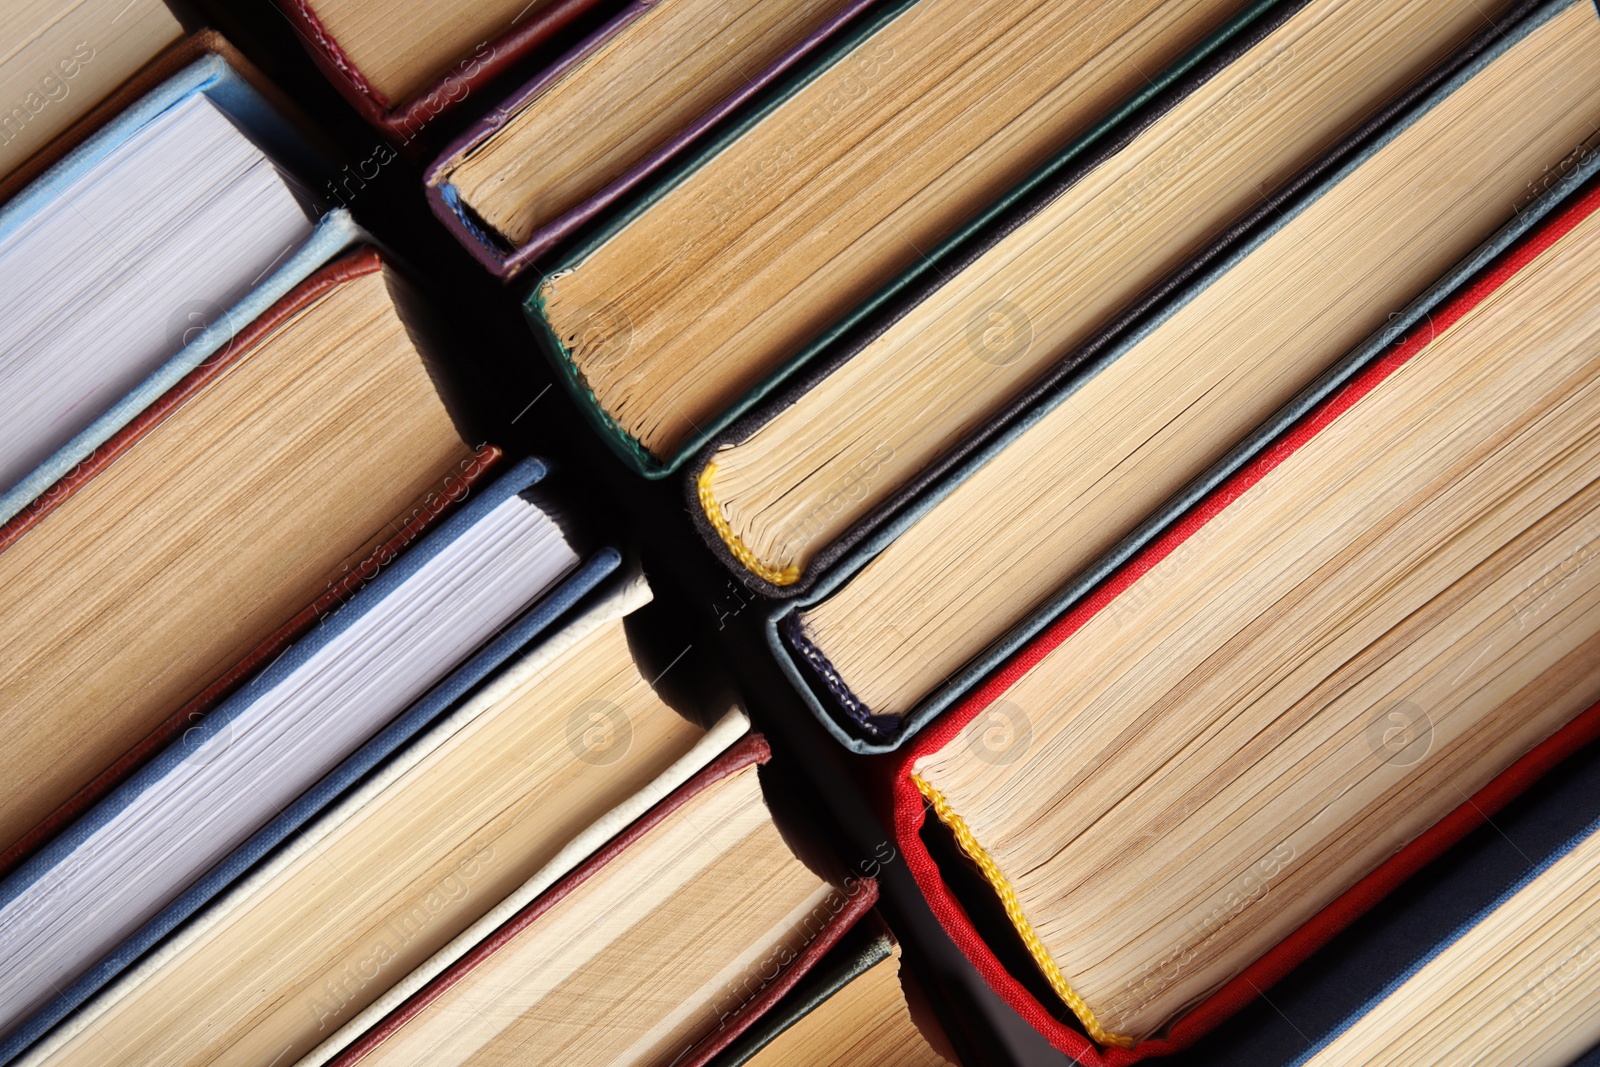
x=323 y=719
x=1192 y=490
x=1162 y=437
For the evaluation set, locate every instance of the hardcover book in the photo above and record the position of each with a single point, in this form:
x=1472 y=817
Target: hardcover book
x=189 y=181
x=1161 y=437
x=700 y=901
x=610 y=113
x=985 y=558
x=1513 y=985
x=1349 y=653
x=542 y=762
x=796 y=483
x=423 y=633
x=230 y=516
x=1374 y=954
x=723 y=276
x=169 y=61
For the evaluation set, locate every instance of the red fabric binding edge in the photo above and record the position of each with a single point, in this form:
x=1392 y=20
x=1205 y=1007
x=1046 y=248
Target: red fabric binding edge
x=752 y=750
x=909 y=809
x=396 y=121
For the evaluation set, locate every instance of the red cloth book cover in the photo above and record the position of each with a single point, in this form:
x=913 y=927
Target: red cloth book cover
x=401 y=120
x=910 y=809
